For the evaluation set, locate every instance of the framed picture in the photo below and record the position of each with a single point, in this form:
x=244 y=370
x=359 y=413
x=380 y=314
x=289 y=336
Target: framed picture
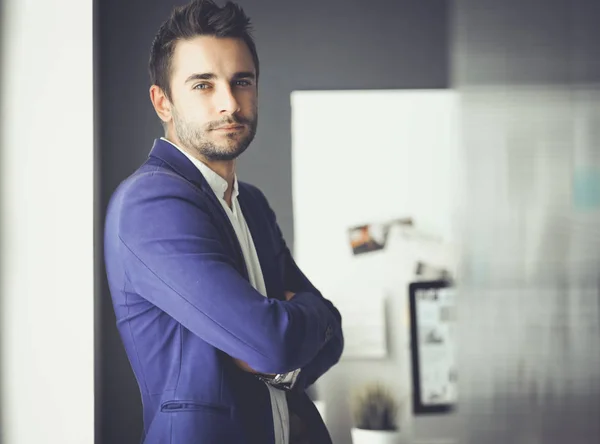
x=433 y=333
x=373 y=237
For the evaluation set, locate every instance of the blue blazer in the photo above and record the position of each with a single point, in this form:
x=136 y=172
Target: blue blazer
x=184 y=307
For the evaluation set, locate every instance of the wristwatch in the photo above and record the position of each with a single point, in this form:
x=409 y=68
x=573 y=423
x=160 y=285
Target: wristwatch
x=282 y=381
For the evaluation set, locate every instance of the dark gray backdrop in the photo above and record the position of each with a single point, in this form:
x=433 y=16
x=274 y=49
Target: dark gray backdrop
x=308 y=44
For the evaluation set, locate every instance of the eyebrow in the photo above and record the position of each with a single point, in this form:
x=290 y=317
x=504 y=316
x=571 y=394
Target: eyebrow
x=212 y=76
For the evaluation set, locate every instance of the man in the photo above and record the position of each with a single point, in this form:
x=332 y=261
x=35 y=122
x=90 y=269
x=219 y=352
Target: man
x=223 y=331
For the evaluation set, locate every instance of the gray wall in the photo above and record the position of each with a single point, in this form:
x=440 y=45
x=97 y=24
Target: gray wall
x=308 y=44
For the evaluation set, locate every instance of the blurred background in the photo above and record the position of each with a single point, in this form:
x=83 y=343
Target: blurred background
x=523 y=85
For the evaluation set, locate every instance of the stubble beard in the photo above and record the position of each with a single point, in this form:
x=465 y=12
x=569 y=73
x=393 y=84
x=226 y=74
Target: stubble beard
x=198 y=137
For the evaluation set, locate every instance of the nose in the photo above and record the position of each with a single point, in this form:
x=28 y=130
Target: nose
x=226 y=101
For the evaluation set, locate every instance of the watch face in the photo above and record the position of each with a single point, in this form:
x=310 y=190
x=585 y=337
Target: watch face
x=282 y=381
x=287 y=378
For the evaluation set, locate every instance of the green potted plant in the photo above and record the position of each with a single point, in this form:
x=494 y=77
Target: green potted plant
x=375 y=413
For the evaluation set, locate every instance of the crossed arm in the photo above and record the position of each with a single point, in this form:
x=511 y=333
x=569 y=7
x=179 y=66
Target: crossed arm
x=324 y=360
x=176 y=261
x=331 y=352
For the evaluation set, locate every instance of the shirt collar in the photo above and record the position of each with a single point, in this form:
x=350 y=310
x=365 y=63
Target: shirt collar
x=216 y=182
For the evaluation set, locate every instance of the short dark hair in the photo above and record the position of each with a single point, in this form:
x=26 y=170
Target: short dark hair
x=199 y=17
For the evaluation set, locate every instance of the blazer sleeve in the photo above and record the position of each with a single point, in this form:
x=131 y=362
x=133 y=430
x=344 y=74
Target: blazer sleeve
x=175 y=260
x=295 y=281
x=330 y=354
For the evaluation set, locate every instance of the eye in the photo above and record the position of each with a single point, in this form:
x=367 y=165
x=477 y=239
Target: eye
x=201 y=86
x=243 y=83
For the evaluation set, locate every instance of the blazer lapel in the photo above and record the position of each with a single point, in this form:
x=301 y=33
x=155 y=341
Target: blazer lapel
x=258 y=230
x=181 y=164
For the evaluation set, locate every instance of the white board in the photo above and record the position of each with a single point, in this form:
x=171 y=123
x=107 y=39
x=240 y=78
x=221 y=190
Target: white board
x=361 y=157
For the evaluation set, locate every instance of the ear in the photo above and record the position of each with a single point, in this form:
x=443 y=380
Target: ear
x=161 y=103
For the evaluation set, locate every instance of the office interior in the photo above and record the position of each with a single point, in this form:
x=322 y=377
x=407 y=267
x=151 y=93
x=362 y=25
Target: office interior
x=519 y=83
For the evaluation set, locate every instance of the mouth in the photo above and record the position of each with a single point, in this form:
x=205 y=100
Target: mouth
x=230 y=128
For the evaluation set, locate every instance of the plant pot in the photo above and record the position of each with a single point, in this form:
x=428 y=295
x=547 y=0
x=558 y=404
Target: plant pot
x=361 y=436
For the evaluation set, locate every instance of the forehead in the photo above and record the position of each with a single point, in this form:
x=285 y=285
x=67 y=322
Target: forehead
x=208 y=54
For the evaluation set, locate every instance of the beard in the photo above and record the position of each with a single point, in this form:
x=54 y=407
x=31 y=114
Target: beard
x=198 y=138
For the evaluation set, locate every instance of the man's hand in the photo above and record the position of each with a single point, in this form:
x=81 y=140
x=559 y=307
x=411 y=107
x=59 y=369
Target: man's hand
x=289 y=295
x=244 y=366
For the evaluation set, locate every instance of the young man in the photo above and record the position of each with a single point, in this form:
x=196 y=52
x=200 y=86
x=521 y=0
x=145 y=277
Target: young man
x=223 y=331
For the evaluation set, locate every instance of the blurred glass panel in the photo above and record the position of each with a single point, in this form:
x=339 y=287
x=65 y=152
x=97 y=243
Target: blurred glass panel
x=529 y=317
x=528 y=73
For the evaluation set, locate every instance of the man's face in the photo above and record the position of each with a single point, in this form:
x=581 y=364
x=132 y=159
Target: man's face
x=214 y=97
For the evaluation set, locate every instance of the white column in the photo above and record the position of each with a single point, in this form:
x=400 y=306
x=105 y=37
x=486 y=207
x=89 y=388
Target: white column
x=46 y=185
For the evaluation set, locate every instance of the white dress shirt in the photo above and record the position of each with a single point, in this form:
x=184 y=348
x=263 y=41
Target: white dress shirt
x=236 y=217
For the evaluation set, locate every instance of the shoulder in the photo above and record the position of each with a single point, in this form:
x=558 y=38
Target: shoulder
x=153 y=180
x=157 y=177
x=252 y=193
x=256 y=199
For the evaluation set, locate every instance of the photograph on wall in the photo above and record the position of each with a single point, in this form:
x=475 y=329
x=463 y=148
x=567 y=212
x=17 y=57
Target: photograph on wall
x=373 y=237
x=433 y=347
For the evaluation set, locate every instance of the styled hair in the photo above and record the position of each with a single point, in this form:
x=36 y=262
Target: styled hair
x=197 y=18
